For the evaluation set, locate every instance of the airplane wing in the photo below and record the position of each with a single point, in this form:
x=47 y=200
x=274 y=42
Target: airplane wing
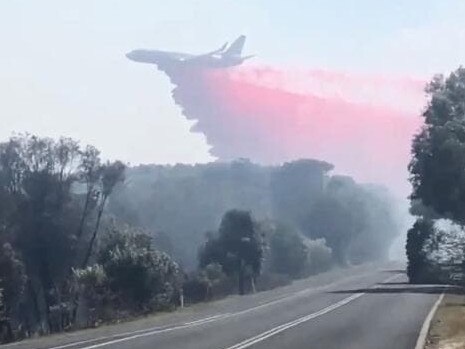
x=189 y=57
x=197 y=58
x=193 y=58
x=200 y=57
x=177 y=55
x=221 y=49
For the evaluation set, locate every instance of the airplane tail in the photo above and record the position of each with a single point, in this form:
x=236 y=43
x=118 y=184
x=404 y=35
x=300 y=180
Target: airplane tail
x=236 y=47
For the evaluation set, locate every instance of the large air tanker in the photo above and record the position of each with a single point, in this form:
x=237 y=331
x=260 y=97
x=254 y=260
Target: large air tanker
x=225 y=56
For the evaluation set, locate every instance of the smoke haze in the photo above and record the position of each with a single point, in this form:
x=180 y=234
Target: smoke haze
x=361 y=124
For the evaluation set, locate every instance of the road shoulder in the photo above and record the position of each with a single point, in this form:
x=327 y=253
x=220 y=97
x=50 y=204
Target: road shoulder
x=447 y=329
x=201 y=311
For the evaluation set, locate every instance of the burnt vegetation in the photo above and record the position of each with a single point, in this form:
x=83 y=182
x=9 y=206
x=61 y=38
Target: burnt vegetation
x=83 y=241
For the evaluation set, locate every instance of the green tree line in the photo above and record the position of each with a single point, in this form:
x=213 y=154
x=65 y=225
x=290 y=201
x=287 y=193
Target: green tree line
x=358 y=222
x=53 y=196
x=437 y=172
x=83 y=241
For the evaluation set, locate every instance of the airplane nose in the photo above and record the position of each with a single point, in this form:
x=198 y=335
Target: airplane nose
x=132 y=55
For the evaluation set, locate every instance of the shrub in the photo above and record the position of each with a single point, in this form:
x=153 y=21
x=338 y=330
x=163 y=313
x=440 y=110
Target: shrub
x=268 y=281
x=320 y=257
x=418 y=267
x=288 y=252
x=92 y=283
x=209 y=283
x=130 y=278
x=139 y=275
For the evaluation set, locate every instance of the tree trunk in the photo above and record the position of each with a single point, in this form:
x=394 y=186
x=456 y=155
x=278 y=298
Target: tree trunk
x=94 y=235
x=84 y=215
x=252 y=284
x=35 y=303
x=241 y=278
x=47 y=286
x=87 y=257
x=6 y=332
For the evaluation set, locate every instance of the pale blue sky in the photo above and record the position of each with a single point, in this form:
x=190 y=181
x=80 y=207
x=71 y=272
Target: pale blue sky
x=63 y=70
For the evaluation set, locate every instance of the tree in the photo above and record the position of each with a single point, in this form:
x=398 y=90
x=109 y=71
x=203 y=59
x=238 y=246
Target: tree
x=438 y=164
x=5 y=328
x=136 y=271
x=288 y=252
x=89 y=174
x=92 y=285
x=100 y=181
x=320 y=256
x=111 y=175
x=2 y=305
x=295 y=186
x=417 y=236
x=437 y=168
x=237 y=247
x=357 y=221
x=338 y=216
x=42 y=220
x=130 y=274
x=37 y=176
x=67 y=154
x=12 y=286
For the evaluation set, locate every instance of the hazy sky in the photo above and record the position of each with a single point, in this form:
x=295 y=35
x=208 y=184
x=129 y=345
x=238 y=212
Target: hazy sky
x=63 y=69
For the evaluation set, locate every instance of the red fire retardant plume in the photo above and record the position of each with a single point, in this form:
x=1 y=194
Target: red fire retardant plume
x=362 y=124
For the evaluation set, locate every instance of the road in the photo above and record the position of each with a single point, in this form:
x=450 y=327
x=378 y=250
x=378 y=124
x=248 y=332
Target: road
x=368 y=307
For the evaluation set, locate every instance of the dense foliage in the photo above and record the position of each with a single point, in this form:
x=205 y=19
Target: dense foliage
x=288 y=252
x=417 y=269
x=53 y=196
x=129 y=276
x=438 y=161
x=437 y=169
x=238 y=247
x=66 y=261
x=357 y=221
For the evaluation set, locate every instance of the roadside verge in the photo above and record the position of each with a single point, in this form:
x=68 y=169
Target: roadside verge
x=446 y=328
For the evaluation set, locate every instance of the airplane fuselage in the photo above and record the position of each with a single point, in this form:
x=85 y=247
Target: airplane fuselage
x=163 y=58
x=149 y=56
x=221 y=58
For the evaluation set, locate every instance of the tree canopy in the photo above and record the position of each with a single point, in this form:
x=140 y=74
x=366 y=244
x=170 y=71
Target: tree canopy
x=52 y=198
x=438 y=163
x=237 y=247
x=437 y=171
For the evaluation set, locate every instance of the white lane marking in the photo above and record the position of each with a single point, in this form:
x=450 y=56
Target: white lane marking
x=215 y=317
x=80 y=342
x=152 y=329
x=262 y=336
x=150 y=333
x=161 y=329
x=421 y=341
x=201 y=321
x=304 y=292
x=72 y=344
x=267 y=334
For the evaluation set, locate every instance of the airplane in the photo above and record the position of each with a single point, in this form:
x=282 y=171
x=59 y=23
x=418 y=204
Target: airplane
x=221 y=58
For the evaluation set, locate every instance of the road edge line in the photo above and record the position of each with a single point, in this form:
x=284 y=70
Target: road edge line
x=421 y=340
x=296 y=322
x=200 y=321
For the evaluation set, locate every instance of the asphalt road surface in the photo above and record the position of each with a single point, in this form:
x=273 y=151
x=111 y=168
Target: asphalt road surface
x=368 y=307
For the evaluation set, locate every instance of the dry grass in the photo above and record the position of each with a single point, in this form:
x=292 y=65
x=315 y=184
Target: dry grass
x=448 y=326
